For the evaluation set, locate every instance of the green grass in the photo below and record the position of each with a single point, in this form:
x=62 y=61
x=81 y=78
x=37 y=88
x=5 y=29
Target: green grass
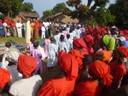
x=17 y=40
x=13 y=40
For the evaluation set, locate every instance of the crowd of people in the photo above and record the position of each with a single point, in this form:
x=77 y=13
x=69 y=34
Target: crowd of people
x=92 y=60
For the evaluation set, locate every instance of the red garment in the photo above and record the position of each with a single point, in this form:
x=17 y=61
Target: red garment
x=123 y=50
x=89 y=39
x=57 y=87
x=7 y=20
x=88 y=88
x=106 y=55
x=79 y=43
x=98 y=30
x=77 y=54
x=70 y=65
x=4 y=77
x=13 y=24
x=103 y=31
x=102 y=71
x=117 y=71
x=26 y=65
x=63 y=86
x=90 y=30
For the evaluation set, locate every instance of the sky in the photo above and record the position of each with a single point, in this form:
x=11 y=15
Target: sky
x=42 y=5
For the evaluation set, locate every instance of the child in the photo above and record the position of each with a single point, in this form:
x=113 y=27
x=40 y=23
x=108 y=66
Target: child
x=8 y=46
x=62 y=45
x=52 y=51
x=46 y=43
x=38 y=56
x=30 y=46
x=69 y=43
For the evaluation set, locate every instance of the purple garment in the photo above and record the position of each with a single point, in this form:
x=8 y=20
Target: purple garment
x=36 y=53
x=46 y=43
x=31 y=48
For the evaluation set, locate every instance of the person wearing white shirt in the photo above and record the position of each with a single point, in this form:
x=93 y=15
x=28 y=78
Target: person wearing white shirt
x=19 y=28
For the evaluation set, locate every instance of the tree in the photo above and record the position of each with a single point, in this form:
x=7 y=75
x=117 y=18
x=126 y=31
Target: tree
x=120 y=11
x=103 y=16
x=47 y=13
x=27 y=7
x=10 y=7
x=83 y=11
x=60 y=7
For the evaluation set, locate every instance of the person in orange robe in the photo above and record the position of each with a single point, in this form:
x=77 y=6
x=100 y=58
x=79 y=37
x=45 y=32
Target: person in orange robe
x=80 y=45
x=107 y=55
x=93 y=87
x=118 y=68
x=63 y=86
x=5 y=78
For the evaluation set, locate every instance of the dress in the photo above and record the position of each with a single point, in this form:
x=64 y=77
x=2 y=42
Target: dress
x=52 y=50
x=46 y=43
x=62 y=46
x=37 y=54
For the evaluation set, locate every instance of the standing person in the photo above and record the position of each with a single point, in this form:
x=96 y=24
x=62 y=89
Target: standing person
x=69 y=42
x=43 y=31
x=30 y=47
x=1 y=28
x=38 y=56
x=32 y=28
x=28 y=32
x=5 y=25
x=37 y=25
x=118 y=68
x=52 y=52
x=67 y=78
x=13 y=25
x=26 y=66
x=62 y=44
x=78 y=32
x=19 y=28
x=46 y=43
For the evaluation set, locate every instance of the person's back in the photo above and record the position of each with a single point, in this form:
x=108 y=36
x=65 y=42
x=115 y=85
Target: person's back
x=26 y=87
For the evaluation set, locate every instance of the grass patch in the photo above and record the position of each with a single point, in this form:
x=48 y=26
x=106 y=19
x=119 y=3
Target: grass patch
x=13 y=40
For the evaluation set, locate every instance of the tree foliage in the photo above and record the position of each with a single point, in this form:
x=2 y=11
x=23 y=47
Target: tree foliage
x=27 y=7
x=60 y=7
x=11 y=8
x=47 y=13
x=95 y=12
x=120 y=11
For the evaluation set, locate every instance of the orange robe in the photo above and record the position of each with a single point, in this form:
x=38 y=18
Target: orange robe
x=106 y=55
x=88 y=88
x=57 y=87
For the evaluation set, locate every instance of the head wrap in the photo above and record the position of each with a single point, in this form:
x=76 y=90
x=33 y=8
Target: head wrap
x=88 y=39
x=124 y=43
x=122 y=38
x=70 y=65
x=102 y=71
x=123 y=50
x=26 y=64
x=4 y=77
x=13 y=55
x=77 y=54
x=79 y=43
x=109 y=42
